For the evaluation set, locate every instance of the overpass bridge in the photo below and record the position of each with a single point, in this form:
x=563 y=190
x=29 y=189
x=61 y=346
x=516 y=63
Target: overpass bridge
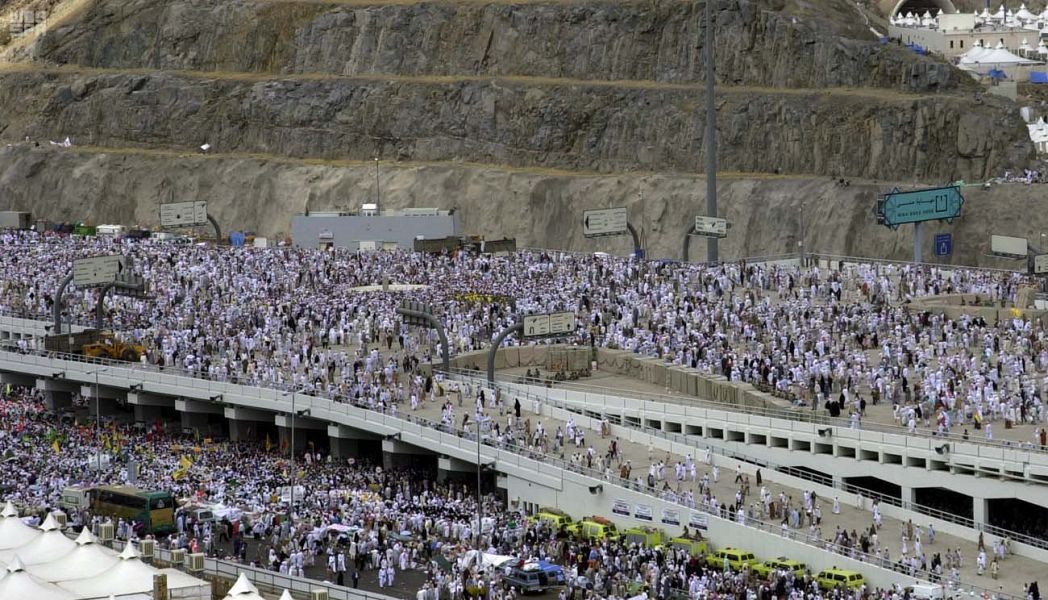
x=528 y=478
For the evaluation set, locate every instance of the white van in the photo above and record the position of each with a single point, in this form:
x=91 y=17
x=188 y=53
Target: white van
x=113 y=230
x=75 y=499
x=926 y=591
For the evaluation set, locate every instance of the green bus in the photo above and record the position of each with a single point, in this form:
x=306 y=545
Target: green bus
x=153 y=511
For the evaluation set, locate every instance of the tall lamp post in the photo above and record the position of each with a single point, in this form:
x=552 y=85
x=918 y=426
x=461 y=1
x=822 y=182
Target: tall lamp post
x=98 y=419
x=292 y=474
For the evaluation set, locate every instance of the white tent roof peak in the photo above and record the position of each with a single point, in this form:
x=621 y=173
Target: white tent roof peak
x=286 y=596
x=85 y=537
x=15 y=565
x=129 y=553
x=939 y=14
x=927 y=14
x=1000 y=46
x=9 y=510
x=50 y=523
x=242 y=586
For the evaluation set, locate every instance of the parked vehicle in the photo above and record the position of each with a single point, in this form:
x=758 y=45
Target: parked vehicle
x=829 y=579
x=736 y=558
x=779 y=564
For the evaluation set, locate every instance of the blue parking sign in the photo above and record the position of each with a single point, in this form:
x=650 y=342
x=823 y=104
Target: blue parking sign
x=943 y=244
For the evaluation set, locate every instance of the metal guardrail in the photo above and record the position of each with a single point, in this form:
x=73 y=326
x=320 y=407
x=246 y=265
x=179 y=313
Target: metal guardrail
x=802 y=415
x=273 y=580
x=799 y=473
x=1036 y=542
x=563 y=465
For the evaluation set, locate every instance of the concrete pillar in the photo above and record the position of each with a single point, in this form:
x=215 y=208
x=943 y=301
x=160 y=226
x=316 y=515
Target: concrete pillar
x=342 y=448
x=108 y=406
x=192 y=420
x=908 y=494
x=148 y=414
x=242 y=431
x=980 y=510
x=56 y=400
x=285 y=439
x=345 y=441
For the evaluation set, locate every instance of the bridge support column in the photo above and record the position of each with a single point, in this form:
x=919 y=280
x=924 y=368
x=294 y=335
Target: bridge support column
x=980 y=510
x=56 y=400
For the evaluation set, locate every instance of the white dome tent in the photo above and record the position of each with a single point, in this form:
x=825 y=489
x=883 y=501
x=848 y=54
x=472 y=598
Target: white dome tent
x=13 y=532
x=243 y=589
x=50 y=545
x=131 y=576
x=17 y=583
x=1023 y=14
x=88 y=559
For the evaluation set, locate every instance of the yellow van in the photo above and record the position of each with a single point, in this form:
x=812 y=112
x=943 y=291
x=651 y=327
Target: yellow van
x=832 y=578
x=554 y=518
x=693 y=544
x=646 y=536
x=594 y=528
x=780 y=564
x=736 y=559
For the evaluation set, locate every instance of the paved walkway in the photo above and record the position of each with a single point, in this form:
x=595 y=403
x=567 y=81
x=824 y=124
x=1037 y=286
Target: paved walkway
x=1014 y=570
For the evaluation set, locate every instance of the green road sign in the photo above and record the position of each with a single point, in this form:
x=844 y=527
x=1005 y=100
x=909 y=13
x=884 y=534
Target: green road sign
x=937 y=204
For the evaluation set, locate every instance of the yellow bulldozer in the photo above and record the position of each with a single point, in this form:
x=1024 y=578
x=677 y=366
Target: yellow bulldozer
x=95 y=343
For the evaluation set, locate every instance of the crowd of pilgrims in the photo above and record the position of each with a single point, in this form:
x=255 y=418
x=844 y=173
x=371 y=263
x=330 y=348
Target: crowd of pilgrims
x=834 y=339
x=351 y=517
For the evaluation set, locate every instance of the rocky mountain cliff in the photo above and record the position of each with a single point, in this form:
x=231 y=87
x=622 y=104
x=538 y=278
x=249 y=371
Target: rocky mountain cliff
x=574 y=98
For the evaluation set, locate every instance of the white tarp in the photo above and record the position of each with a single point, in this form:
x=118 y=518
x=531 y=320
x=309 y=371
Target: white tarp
x=88 y=559
x=489 y=560
x=50 y=545
x=20 y=584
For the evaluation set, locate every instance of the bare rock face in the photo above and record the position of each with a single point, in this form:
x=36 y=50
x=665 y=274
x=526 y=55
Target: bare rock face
x=578 y=127
x=757 y=44
x=519 y=112
x=541 y=209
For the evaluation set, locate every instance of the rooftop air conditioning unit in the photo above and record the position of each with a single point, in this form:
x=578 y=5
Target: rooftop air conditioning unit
x=178 y=557
x=61 y=518
x=195 y=562
x=105 y=533
x=318 y=595
x=147 y=548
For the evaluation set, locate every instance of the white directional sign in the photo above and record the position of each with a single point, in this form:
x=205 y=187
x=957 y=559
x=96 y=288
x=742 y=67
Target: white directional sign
x=1040 y=264
x=711 y=226
x=558 y=323
x=606 y=221
x=562 y=322
x=97 y=270
x=536 y=325
x=183 y=214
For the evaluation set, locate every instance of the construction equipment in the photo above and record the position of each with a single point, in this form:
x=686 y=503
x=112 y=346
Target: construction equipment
x=96 y=343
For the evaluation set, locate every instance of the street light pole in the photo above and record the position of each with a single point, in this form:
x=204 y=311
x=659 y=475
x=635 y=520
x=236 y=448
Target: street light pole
x=378 y=195
x=98 y=422
x=291 y=504
x=480 y=505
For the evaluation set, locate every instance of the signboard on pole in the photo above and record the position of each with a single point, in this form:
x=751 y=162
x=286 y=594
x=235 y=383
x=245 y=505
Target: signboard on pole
x=1040 y=264
x=183 y=214
x=943 y=244
x=549 y=324
x=936 y=204
x=561 y=323
x=97 y=270
x=711 y=226
x=536 y=325
x=605 y=221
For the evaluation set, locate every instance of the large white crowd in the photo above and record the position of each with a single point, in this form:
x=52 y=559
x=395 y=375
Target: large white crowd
x=834 y=339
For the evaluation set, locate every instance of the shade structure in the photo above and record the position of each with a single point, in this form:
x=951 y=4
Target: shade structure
x=50 y=545
x=243 y=589
x=88 y=559
x=17 y=583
